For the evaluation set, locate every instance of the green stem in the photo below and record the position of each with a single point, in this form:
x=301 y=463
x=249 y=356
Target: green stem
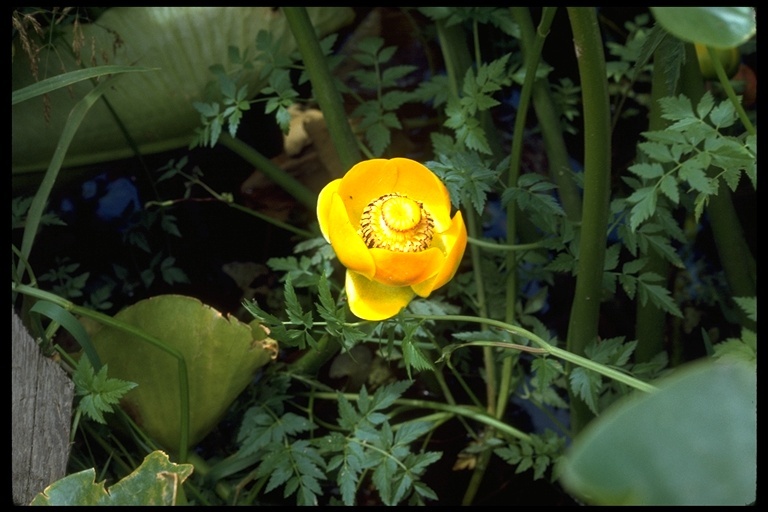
x=547 y=116
x=565 y=355
x=650 y=322
x=585 y=310
x=503 y=247
x=532 y=51
x=135 y=331
x=728 y=88
x=312 y=360
x=482 y=308
x=301 y=193
x=325 y=91
x=457 y=61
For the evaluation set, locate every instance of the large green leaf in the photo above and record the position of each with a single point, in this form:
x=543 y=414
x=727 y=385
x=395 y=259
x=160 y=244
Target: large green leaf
x=156 y=108
x=692 y=442
x=719 y=27
x=155 y=482
x=221 y=355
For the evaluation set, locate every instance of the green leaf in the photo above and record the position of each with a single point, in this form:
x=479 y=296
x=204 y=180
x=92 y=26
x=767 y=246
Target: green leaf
x=719 y=27
x=749 y=305
x=65 y=80
x=296 y=465
x=611 y=351
x=263 y=426
x=155 y=482
x=293 y=306
x=693 y=172
x=473 y=135
x=644 y=207
x=634 y=266
x=99 y=393
x=167 y=38
x=668 y=187
x=413 y=357
x=220 y=353
x=467 y=177
x=676 y=108
x=391 y=75
x=392 y=100
x=662 y=245
x=742 y=349
x=692 y=442
x=545 y=370
x=658 y=295
x=378 y=136
x=705 y=106
x=659 y=153
x=586 y=384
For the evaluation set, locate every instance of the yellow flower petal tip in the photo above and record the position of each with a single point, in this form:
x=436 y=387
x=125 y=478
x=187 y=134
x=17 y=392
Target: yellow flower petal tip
x=389 y=222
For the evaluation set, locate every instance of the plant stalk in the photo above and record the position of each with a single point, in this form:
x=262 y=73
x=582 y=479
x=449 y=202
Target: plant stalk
x=650 y=323
x=547 y=117
x=585 y=310
x=325 y=91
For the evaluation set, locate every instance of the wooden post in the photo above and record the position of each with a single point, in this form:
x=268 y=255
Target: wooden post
x=41 y=416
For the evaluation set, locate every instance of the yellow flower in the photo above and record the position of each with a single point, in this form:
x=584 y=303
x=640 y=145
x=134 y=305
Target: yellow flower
x=390 y=223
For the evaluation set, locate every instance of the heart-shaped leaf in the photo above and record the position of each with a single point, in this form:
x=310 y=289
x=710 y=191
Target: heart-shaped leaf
x=719 y=27
x=221 y=355
x=692 y=442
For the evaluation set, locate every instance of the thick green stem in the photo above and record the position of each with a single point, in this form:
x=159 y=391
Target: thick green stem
x=532 y=49
x=312 y=360
x=547 y=117
x=560 y=353
x=585 y=310
x=482 y=307
x=650 y=323
x=325 y=91
x=457 y=61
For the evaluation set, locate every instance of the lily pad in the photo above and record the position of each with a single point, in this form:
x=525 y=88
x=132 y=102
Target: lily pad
x=155 y=482
x=221 y=354
x=692 y=442
x=719 y=27
x=155 y=108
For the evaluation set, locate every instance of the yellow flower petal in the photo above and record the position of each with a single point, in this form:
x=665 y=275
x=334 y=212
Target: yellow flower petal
x=454 y=242
x=405 y=268
x=370 y=300
x=348 y=245
x=380 y=281
x=324 y=202
x=372 y=179
x=363 y=183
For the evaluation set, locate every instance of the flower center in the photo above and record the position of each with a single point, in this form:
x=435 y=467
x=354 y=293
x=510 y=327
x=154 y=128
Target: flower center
x=397 y=223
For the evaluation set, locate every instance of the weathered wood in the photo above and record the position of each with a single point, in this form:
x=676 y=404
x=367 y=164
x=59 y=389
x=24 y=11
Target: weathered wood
x=41 y=415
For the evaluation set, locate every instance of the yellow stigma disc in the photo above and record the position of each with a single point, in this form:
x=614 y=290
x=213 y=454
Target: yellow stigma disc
x=396 y=222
